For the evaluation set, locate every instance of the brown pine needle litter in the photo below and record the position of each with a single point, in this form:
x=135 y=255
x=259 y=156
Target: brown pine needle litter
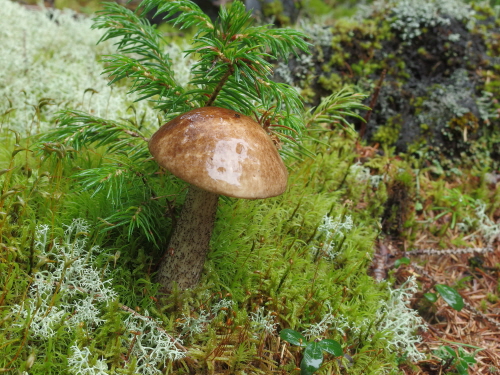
x=476 y=328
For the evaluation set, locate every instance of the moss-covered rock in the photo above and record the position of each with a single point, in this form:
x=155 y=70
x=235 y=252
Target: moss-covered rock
x=431 y=69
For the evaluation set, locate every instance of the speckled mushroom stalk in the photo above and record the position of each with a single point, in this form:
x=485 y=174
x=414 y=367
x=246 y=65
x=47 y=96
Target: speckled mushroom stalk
x=188 y=246
x=219 y=152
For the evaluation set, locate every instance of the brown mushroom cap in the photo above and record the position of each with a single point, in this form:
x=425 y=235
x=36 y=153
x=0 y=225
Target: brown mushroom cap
x=221 y=151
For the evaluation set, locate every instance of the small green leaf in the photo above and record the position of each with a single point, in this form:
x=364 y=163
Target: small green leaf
x=450 y=351
x=450 y=295
x=331 y=346
x=469 y=359
x=431 y=297
x=312 y=360
x=462 y=370
x=293 y=337
x=401 y=261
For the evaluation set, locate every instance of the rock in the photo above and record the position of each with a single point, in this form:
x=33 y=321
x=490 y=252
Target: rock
x=434 y=64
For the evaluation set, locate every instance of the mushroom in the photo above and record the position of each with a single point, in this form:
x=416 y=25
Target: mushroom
x=218 y=152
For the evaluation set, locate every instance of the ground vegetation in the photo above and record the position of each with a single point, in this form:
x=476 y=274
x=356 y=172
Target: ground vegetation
x=381 y=246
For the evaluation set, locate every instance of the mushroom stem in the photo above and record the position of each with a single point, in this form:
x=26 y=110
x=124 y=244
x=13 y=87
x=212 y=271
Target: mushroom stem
x=183 y=262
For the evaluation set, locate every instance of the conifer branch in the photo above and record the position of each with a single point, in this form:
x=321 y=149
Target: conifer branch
x=233 y=55
x=79 y=129
x=219 y=87
x=140 y=53
x=335 y=108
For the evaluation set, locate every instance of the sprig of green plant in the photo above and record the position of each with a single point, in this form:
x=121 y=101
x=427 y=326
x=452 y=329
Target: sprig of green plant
x=140 y=53
x=123 y=173
x=336 y=108
x=233 y=68
x=455 y=204
x=313 y=352
x=458 y=359
x=449 y=294
x=80 y=129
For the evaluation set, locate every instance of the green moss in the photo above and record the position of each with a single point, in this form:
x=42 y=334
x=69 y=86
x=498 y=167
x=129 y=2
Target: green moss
x=466 y=123
x=354 y=47
x=268 y=262
x=364 y=69
x=388 y=134
x=332 y=83
x=275 y=9
x=308 y=94
x=492 y=298
x=318 y=7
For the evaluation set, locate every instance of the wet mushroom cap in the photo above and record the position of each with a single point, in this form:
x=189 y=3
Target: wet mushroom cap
x=221 y=151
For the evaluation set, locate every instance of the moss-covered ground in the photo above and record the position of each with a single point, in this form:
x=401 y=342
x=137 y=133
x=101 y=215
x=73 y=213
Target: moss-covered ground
x=349 y=252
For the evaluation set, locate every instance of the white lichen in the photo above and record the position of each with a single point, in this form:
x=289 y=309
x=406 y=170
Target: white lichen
x=332 y=232
x=363 y=174
x=222 y=306
x=318 y=329
x=193 y=325
x=82 y=362
x=262 y=322
x=411 y=17
x=400 y=322
x=152 y=347
x=448 y=101
x=66 y=289
x=487 y=228
x=50 y=61
x=196 y=323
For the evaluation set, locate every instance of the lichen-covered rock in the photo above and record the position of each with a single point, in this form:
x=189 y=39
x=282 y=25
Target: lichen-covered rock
x=432 y=70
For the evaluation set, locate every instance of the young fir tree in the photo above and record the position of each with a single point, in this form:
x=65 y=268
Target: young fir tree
x=233 y=70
